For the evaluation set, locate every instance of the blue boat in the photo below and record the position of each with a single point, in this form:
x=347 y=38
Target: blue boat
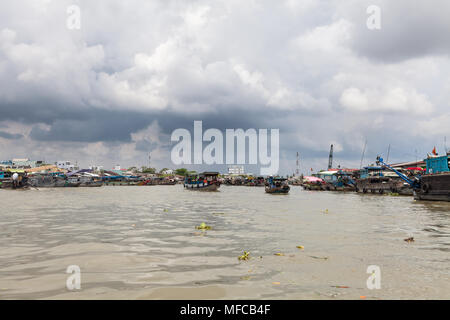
x=277 y=185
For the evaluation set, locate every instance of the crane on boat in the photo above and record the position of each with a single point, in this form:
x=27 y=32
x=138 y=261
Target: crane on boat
x=414 y=183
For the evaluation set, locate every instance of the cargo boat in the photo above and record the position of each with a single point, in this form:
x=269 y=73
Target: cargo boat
x=434 y=185
x=375 y=180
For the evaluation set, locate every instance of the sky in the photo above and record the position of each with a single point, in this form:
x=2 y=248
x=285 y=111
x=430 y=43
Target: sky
x=114 y=90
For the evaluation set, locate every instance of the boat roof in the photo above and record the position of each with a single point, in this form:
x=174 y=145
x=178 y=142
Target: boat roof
x=209 y=173
x=329 y=173
x=278 y=178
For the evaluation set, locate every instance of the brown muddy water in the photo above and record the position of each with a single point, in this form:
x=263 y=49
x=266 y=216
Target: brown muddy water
x=141 y=243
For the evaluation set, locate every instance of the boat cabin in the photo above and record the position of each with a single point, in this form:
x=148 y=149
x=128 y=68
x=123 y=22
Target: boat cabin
x=438 y=164
x=204 y=177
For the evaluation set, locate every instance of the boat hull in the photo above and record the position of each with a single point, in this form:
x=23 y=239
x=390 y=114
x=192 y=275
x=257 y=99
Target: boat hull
x=383 y=185
x=434 y=187
x=278 y=190
x=197 y=187
x=313 y=187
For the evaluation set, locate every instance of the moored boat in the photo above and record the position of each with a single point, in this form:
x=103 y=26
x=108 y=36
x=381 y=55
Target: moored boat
x=337 y=180
x=313 y=183
x=13 y=180
x=434 y=185
x=376 y=180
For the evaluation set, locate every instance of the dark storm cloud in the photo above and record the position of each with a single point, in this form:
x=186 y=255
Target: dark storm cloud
x=10 y=136
x=409 y=29
x=135 y=72
x=93 y=126
x=145 y=145
x=40 y=111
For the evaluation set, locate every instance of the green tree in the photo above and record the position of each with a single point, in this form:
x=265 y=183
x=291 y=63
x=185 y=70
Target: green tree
x=181 y=171
x=148 y=170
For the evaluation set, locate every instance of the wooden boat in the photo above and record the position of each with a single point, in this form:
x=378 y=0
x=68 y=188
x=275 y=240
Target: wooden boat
x=375 y=180
x=158 y=181
x=434 y=185
x=276 y=185
x=16 y=180
x=90 y=182
x=313 y=183
x=206 y=181
x=51 y=181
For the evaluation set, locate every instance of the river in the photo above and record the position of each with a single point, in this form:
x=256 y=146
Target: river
x=142 y=243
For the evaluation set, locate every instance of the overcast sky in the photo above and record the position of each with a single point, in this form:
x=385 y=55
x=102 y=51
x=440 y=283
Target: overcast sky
x=114 y=90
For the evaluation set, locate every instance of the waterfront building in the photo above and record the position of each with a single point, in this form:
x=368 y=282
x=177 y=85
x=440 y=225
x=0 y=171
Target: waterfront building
x=67 y=165
x=238 y=170
x=96 y=168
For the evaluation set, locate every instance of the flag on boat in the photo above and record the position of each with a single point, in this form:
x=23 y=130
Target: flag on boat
x=434 y=151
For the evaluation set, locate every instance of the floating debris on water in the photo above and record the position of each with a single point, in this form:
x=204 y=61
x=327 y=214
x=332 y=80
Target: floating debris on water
x=276 y=283
x=300 y=247
x=166 y=210
x=279 y=254
x=409 y=240
x=322 y=258
x=245 y=256
x=341 y=287
x=203 y=226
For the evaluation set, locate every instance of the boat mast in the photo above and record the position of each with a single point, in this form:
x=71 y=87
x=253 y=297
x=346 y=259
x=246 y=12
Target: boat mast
x=445 y=145
x=362 y=156
x=389 y=152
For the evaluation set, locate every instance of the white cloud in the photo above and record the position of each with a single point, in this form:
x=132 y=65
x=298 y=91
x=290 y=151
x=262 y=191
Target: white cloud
x=396 y=100
x=310 y=66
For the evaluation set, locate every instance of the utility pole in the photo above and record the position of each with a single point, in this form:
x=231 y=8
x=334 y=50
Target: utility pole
x=297 y=171
x=330 y=158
